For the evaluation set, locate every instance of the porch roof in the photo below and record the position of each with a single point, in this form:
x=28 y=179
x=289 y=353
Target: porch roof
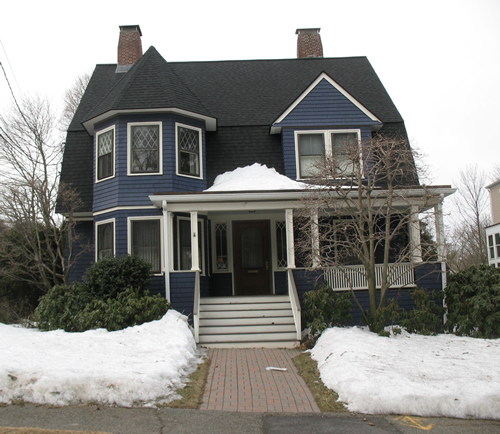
x=258 y=200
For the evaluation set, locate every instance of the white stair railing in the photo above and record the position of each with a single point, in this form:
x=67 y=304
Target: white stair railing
x=295 y=303
x=196 y=307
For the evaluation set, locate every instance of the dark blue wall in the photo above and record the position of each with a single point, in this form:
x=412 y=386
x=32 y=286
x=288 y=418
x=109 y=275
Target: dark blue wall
x=182 y=292
x=123 y=190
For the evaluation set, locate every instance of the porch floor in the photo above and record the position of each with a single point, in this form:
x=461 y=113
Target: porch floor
x=238 y=381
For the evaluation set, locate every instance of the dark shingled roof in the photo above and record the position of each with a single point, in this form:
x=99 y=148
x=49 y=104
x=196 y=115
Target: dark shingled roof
x=245 y=97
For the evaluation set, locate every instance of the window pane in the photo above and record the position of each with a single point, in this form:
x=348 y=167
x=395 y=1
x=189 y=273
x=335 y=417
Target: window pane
x=490 y=240
x=497 y=239
x=343 y=146
x=189 y=151
x=281 y=244
x=185 y=244
x=105 y=240
x=312 y=153
x=221 y=260
x=105 y=155
x=146 y=242
x=145 y=148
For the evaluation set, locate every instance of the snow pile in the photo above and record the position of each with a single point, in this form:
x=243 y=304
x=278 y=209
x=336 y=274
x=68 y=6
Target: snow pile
x=441 y=375
x=254 y=177
x=140 y=365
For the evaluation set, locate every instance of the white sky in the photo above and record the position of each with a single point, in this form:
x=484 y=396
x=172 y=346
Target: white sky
x=438 y=59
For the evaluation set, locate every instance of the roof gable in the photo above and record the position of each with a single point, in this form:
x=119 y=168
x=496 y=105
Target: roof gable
x=325 y=102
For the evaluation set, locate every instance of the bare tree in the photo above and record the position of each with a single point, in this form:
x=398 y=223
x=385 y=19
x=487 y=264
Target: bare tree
x=470 y=216
x=359 y=219
x=33 y=248
x=72 y=98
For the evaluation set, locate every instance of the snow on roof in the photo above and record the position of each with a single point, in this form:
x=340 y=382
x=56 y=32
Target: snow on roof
x=254 y=177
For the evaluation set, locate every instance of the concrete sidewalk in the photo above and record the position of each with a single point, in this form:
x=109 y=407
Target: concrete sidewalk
x=239 y=381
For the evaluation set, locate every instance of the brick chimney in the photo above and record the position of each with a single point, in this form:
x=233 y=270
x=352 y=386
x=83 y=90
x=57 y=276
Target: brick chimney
x=129 y=47
x=309 y=43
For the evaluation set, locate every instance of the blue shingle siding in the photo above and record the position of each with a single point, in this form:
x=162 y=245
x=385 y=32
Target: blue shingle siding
x=280 y=283
x=429 y=276
x=157 y=285
x=84 y=249
x=182 y=292
x=305 y=281
x=325 y=105
x=125 y=190
x=288 y=142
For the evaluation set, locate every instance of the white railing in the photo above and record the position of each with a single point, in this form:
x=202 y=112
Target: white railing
x=294 y=301
x=196 y=307
x=354 y=276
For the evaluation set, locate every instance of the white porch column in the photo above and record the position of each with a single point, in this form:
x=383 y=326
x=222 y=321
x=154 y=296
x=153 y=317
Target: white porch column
x=195 y=257
x=415 y=243
x=166 y=251
x=315 y=239
x=439 y=221
x=290 y=242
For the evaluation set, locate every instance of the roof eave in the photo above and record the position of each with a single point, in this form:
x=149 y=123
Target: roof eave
x=210 y=122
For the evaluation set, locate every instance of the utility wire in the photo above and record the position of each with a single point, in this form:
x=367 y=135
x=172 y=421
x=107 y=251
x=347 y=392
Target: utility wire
x=10 y=66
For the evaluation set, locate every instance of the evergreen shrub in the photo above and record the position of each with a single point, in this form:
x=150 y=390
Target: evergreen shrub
x=472 y=297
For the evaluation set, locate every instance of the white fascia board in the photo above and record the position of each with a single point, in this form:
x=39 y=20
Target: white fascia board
x=323 y=76
x=210 y=123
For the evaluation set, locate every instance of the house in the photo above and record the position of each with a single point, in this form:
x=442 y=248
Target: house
x=493 y=231
x=149 y=140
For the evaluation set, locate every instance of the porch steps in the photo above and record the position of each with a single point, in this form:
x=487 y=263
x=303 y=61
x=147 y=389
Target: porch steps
x=247 y=322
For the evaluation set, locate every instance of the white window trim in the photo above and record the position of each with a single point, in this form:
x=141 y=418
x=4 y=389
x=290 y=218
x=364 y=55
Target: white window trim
x=178 y=252
x=327 y=137
x=97 y=134
x=96 y=235
x=129 y=238
x=200 y=150
x=129 y=148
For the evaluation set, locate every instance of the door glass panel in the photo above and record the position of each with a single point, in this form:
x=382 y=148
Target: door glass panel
x=252 y=249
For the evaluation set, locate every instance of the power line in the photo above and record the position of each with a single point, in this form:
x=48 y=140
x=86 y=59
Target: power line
x=10 y=65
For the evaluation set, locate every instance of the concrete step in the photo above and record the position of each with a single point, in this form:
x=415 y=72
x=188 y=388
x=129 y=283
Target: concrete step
x=250 y=337
x=245 y=306
x=238 y=299
x=253 y=344
x=272 y=313
x=242 y=320
x=246 y=329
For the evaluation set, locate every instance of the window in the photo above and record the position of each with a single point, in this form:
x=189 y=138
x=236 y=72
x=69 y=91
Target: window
x=144 y=148
x=491 y=247
x=188 y=142
x=184 y=244
x=145 y=241
x=313 y=146
x=105 y=239
x=494 y=246
x=105 y=143
x=281 y=244
x=221 y=253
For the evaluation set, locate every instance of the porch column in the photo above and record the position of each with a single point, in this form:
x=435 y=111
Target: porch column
x=315 y=240
x=195 y=259
x=166 y=255
x=415 y=243
x=290 y=243
x=438 y=218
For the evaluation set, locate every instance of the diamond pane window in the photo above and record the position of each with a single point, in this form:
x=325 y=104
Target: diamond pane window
x=221 y=261
x=281 y=244
x=145 y=148
x=105 y=146
x=188 y=143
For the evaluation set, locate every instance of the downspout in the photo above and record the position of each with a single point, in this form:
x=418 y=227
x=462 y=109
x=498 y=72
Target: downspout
x=166 y=256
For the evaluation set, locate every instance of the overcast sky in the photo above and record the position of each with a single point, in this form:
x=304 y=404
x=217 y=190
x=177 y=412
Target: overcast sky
x=438 y=59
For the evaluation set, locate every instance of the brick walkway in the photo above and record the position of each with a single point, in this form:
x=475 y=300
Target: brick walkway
x=238 y=381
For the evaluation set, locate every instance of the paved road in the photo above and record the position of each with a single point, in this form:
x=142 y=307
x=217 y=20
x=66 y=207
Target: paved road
x=160 y=421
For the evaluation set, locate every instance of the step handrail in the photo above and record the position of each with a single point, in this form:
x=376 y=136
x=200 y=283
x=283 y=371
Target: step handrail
x=196 y=307
x=295 y=303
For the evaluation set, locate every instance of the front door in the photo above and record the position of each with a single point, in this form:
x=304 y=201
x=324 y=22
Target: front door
x=251 y=257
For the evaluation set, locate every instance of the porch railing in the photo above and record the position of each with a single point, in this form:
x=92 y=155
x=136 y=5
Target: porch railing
x=196 y=307
x=295 y=303
x=354 y=276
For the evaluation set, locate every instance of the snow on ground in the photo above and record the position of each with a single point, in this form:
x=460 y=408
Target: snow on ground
x=442 y=375
x=140 y=365
x=254 y=177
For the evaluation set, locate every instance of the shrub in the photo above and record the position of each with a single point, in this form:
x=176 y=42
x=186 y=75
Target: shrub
x=325 y=308
x=114 y=274
x=426 y=318
x=472 y=297
x=107 y=298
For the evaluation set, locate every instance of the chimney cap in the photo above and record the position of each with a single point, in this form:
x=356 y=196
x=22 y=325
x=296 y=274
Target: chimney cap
x=307 y=31
x=131 y=28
